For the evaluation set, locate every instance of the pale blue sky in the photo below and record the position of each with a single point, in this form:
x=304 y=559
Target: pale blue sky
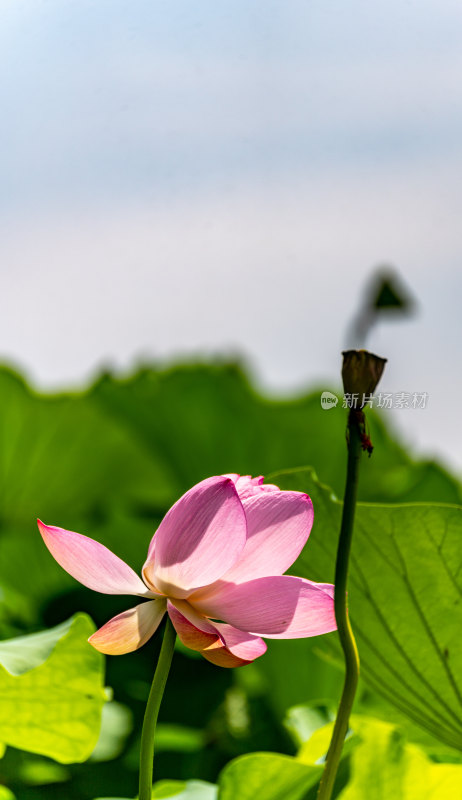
x=183 y=177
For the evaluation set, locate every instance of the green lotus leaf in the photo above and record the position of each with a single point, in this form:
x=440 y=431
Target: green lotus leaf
x=51 y=691
x=405 y=599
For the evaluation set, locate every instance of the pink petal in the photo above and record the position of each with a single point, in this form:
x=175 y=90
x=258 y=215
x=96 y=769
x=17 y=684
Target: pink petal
x=130 y=630
x=192 y=637
x=199 y=539
x=219 y=655
x=247 y=486
x=91 y=563
x=278 y=526
x=222 y=645
x=193 y=616
x=240 y=643
x=281 y=607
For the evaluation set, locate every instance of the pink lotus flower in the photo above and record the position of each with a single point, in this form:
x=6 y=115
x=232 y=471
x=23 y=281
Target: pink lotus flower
x=216 y=566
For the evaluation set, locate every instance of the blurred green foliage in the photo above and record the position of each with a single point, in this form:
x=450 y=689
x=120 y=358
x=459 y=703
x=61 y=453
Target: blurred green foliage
x=108 y=462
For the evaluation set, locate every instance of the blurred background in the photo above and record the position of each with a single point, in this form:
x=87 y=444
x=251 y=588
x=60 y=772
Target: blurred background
x=201 y=205
x=183 y=179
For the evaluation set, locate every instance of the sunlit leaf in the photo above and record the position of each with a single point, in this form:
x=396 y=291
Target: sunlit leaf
x=267 y=775
x=51 y=693
x=384 y=765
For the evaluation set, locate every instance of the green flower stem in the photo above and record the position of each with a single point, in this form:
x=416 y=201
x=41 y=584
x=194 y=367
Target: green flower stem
x=347 y=640
x=152 y=711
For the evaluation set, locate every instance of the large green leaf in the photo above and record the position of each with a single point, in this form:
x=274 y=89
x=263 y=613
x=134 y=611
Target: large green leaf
x=405 y=591
x=267 y=775
x=51 y=691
